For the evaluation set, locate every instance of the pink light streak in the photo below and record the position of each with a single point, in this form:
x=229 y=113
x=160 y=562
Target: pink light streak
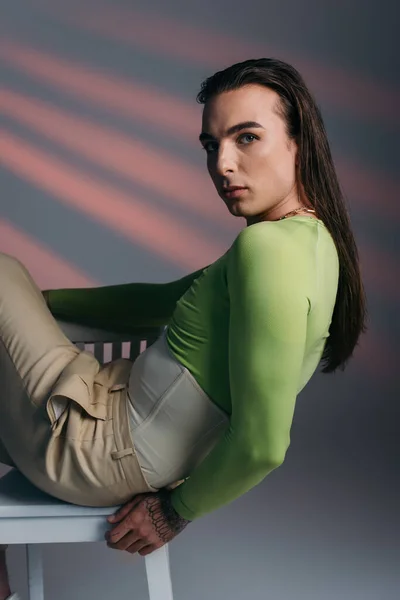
x=130 y=216
x=133 y=100
x=215 y=50
x=136 y=161
x=49 y=270
x=365 y=186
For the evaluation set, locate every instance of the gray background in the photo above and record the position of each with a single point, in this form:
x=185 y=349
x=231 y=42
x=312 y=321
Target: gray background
x=103 y=181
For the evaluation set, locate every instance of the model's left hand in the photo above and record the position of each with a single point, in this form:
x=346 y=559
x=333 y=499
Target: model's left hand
x=145 y=524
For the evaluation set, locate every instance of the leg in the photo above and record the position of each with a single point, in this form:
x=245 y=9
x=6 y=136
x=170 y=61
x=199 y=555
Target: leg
x=159 y=574
x=73 y=456
x=33 y=353
x=4 y=583
x=35 y=572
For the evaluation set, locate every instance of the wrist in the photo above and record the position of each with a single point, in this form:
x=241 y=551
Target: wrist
x=175 y=520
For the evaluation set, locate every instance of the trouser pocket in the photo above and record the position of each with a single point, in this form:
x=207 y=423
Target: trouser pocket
x=80 y=382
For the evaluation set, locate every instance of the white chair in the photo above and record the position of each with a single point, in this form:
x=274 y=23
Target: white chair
x=30 y=517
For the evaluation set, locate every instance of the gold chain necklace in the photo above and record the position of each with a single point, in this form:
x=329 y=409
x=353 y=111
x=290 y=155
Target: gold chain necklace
x=295 y=211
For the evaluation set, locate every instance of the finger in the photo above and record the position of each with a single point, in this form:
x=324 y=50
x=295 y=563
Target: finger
x=148 y=549
x=124 y=510
x=121 y=513
x=137 y=546
x=123 y=528
x=125 y=542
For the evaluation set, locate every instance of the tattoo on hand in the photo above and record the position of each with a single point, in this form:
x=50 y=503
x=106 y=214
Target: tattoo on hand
x=166 y=521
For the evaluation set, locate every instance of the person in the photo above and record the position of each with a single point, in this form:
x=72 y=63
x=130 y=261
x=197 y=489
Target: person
x=204 y=414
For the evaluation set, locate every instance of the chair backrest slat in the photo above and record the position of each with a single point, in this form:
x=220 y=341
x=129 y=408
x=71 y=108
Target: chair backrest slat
x=99 y=351
x=95 y=340
x=135 y=349
x=116 y=350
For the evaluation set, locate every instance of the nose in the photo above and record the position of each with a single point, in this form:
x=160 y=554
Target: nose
x=224 y=161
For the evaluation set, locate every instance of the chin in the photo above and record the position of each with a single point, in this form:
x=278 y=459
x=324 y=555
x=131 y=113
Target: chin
x=236 y=212
x=236 y=208
x=242 y=211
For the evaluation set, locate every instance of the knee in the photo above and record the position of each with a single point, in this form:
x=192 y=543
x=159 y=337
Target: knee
x=12 y=271
x=8 y=262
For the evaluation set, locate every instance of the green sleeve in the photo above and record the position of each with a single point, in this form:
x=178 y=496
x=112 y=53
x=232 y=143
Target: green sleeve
x=120 y=307
x=266 y=277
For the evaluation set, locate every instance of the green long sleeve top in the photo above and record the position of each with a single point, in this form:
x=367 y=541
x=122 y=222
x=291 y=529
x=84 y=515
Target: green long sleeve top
x=251 y=328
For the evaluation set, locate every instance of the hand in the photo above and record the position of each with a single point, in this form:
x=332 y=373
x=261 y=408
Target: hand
x=145 y=524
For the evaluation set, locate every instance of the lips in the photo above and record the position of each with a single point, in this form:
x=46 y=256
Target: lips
x=233 y=191
x=232 y=188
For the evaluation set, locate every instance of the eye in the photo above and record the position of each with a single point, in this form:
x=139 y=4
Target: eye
x=250 y=137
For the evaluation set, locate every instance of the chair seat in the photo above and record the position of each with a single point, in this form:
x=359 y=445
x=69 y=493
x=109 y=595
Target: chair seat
x=28 y=516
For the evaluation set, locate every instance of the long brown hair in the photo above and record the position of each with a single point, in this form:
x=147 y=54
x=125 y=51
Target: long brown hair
x=320 y=183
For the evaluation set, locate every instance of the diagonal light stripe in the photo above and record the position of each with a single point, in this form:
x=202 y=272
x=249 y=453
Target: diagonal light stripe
x=143 y=102
x=48 y=269
x=134 y=219
x=364 y=186
x=112 y=150
x=370 y=188
x=134 y=160
x=215 y=49
x=128 y=215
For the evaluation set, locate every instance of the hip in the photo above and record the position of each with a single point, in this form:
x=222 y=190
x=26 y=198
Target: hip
x=173 y=422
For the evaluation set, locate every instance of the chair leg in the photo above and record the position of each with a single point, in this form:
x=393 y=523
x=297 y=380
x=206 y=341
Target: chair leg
x=35 y=572
x=159 y=574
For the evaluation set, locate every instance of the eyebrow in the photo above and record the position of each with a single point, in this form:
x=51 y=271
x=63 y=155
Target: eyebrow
x=234 y=129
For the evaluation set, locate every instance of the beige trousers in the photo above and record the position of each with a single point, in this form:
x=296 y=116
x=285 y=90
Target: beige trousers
x=86 y=456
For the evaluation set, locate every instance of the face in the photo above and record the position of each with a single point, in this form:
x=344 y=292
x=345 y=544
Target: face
x=247 y=147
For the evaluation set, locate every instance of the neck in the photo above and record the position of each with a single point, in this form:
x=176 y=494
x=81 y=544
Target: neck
x=278 y=215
